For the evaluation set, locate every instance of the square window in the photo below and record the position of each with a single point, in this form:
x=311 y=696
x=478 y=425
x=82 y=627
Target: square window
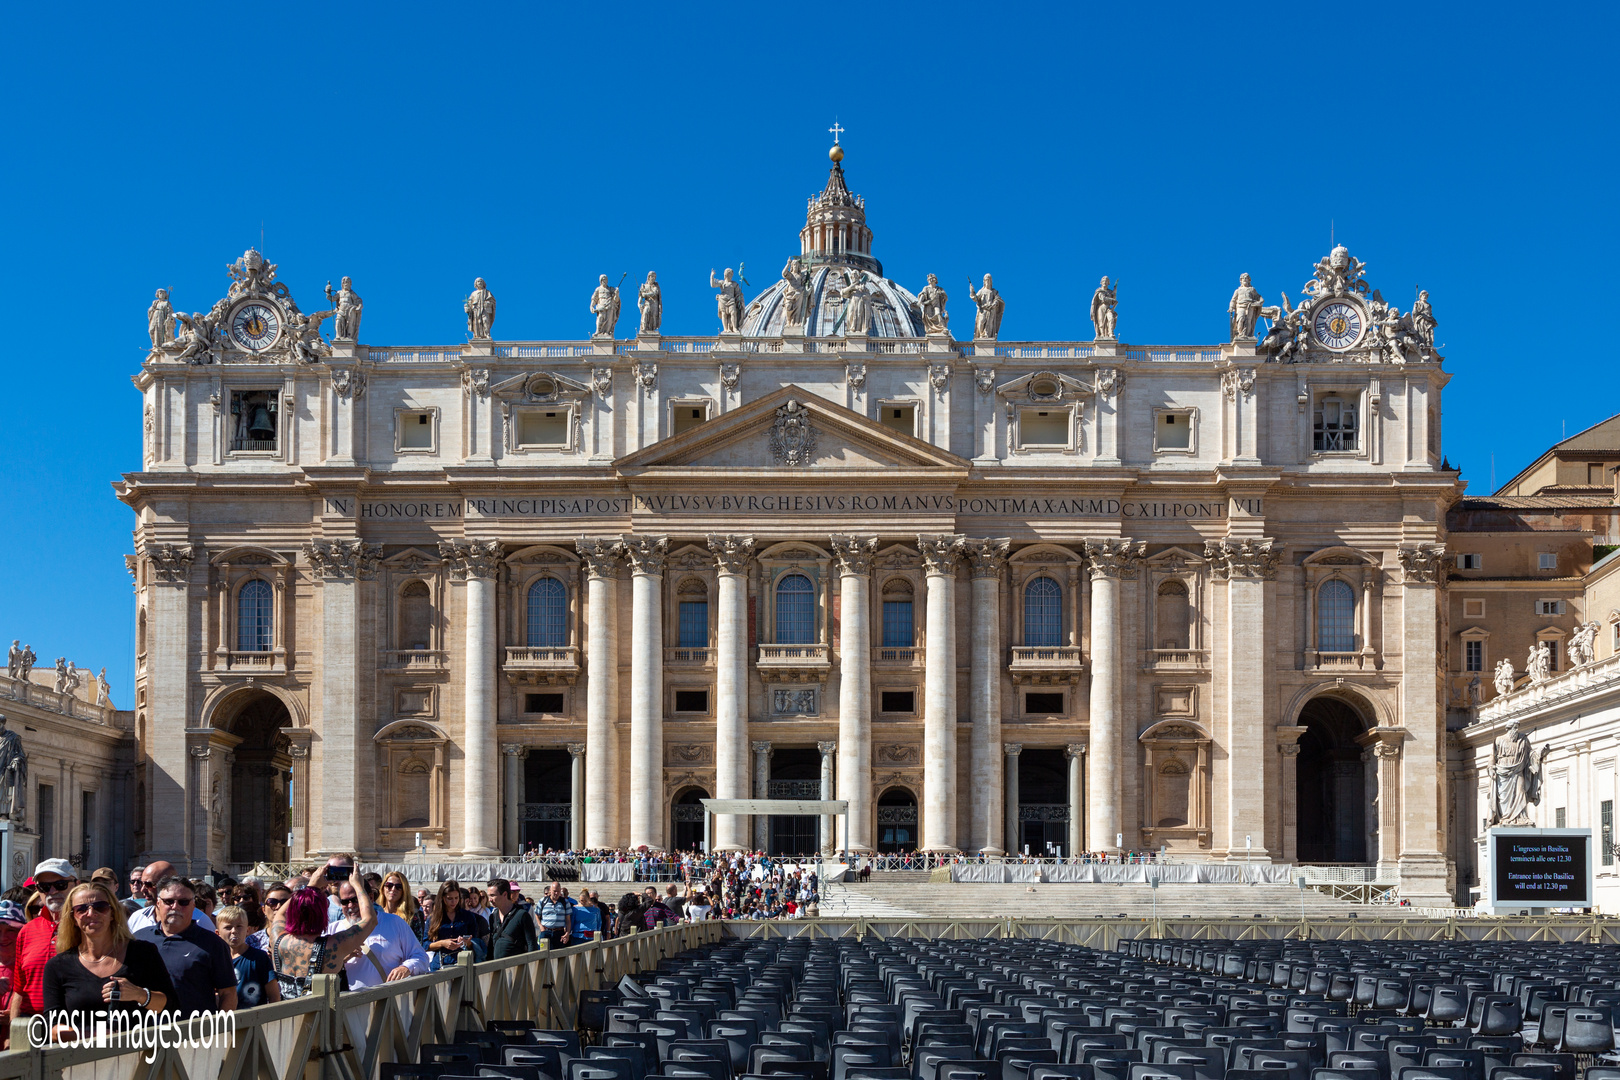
x=1547 y=560
x=1045 y=428
x=253 y=420
x=692 y=701
x=1043 y=704
x=415 y=430
x=1471 y=561
x=1473 y=656
x=1172 y=431
x=1549 y=607
x=542 y=703
x=1474 y=608
x=901 y=418
x=543 y=427
x=1334 y=424
x=1559 y=818
x=685 y=417
x=897 y=701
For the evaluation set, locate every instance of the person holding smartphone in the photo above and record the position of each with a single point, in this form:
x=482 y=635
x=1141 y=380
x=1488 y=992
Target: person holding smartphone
x=301 y=948
x=453 y=928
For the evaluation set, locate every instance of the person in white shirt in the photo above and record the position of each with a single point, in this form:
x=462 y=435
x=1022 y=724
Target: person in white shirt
x=391 y=951
x=146 y=918
x=697 y=908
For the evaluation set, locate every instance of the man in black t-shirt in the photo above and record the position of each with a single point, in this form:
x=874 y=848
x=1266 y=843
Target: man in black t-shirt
x=516 y=934
x=198 y=961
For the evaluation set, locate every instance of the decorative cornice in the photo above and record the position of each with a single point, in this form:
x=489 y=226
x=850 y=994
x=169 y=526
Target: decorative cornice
x=1245 y=558
x=601 y=555
x=171 y=562
x=854 y=553
x=731 y=552
x=1423 y=564
x=986 y=555
x=1115 y=557
x=337 y=559
x=647 y=554
x=940 y=551
x=471 y=558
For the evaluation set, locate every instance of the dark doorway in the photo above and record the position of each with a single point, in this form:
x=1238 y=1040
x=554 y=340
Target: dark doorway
x=897 y=821
x=1043 y=801
x=686 y=820
x=795 y=774
x=548 y=799
x=261 y=776
x=1332 y=782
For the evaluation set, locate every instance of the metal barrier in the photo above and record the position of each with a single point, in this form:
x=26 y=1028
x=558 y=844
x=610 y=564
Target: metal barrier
x=348 y=1036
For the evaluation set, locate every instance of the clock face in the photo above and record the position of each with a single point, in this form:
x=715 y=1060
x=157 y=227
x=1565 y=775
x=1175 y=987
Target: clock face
x=1338 y=325
x=255 y=326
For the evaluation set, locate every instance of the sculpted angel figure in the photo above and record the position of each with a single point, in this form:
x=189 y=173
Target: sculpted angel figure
x=1582 y=645
x=1515 y=777
x=192 y=343
x=1104 y=303
x=1503 y=677
x=160 y=320
x=1244 y=309
x=1423 y=320
x=480 y=309
x=346 y=307
x=650 y=299
x=795 y=295
x=304 y=335
x=987 y=324
x=729 y=302
x=931 y=305
x=1286 y=324
x=605 y=306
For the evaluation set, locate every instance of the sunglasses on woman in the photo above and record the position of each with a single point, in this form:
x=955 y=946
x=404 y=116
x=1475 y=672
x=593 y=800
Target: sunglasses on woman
x=274 y=901
x=100 y=907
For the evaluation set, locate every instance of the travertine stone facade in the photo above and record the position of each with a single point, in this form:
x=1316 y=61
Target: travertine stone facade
x=836 y=549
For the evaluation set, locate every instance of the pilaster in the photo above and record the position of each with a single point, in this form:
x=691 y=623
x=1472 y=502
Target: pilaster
x=1423 y=779
x=513 y=754
x=1246 y=565
x=1010 y=753
x=169 y=631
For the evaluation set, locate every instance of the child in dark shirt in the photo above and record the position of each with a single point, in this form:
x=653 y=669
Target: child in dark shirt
x=255 y=983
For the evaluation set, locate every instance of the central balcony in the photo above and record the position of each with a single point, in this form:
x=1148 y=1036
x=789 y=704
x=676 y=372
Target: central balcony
x=1046 y=665
x=794 y=663
x=891 y=657
x=416 y=661
x=547 y=665
x=254 y=662
x=687 y=656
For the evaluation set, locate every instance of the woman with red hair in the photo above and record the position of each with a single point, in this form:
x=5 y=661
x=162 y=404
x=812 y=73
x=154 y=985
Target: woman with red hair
x=303 y=948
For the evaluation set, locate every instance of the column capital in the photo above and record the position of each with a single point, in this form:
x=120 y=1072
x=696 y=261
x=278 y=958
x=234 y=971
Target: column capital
x=471 y=558
x=940 y=551
x=854 y=553
x=1253 y=559
x=337 y=559
x=762 y=747
x=1075 y=750
x=171 y=563
x=731 y=552
x=827 y=747
x=1012 y=749
x=646 y=553
x=516 y=750
x=986 y=555
x=1422 y=564
x=1288 y=749
x=601 y=555
x=1114 y=557
x=577 y=749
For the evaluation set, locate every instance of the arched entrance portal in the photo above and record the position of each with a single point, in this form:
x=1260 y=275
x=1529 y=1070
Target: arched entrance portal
x=686 y=820
x=1332 y=783
x=795 y=774
x=897 y=821
x=548 y=799
x=1043 y=802
x=260 y=777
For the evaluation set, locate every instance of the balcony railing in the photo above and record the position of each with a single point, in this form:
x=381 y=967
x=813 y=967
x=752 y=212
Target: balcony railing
x=1043 y=664
x=415 y=660
x=537 y=665
x=793 y=663
x=689 y=656
x=254 y=660
x=1341 y=660
x=1173 y=658
x=897 y=655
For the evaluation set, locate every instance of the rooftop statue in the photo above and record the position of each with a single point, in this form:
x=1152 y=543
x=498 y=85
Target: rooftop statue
x=480 y=309
x=1503 y=677
x=605 y=306
x=650 y=299
x=160 y=320
x=1338 y=273
x=1515 y=777
x=1538 y=665
x=729 y=300
x=795 y=295
x=1244 y=308
x=1287 y=329
x=1104 y=305
x=1582 y=645
x=856 y=292
x=20 y=661
x=987 y=325
x=931 y=306
x=346 y=311
x=1423 y=320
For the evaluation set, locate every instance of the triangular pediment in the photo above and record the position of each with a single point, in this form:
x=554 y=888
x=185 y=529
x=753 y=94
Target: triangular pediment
x=793 y=430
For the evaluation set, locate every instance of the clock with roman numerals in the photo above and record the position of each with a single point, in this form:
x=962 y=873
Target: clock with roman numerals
x=255 y=326
x=1338 y=324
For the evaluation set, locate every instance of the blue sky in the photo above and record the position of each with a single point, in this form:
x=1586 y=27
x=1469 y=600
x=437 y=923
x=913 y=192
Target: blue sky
x=1467 y=148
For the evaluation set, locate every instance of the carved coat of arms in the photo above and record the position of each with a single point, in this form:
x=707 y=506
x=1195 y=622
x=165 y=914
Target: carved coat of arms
x=793 y=440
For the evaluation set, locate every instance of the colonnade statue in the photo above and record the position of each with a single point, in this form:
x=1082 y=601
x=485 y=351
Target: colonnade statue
x=13 y=773
x=1515 y=777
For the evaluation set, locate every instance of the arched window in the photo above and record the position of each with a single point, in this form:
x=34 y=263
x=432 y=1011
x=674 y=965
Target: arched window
x=1043 y=613
x=795 y=611
x=1173 y=622
x=254 y=605
x=548 y=614
x=1336 y=617
x=416 y=616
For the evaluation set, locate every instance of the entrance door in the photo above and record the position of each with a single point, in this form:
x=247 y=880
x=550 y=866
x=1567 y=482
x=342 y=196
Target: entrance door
x=1332 y=783
x=1043 y=801
x=686 y=820
x=795 y=774
x=897 y=821
x=548 y=800
x=261 y=776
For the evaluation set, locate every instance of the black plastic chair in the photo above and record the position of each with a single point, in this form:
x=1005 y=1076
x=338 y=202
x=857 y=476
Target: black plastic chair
x=814 y=1070
x=1451 y=1057
x=1429 y=1072
x=407 y=1070
x=453 y=1054
x=1586 y=1031
x=640 y=1066
x=545 y=1059
x=566 y=1042
x=1061 y=1072
x=605 y=1069
x=707 y=1068
x=1564 y=1063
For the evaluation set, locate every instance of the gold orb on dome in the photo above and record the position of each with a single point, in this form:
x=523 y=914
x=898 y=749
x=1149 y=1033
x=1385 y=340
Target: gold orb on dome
x=836 y=153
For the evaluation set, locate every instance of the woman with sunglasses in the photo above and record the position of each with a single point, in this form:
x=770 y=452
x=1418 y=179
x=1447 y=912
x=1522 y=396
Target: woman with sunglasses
x=397 y=898
x=98 y=968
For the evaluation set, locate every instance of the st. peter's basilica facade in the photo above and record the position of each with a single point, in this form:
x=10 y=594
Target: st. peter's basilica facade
x=1063 y=595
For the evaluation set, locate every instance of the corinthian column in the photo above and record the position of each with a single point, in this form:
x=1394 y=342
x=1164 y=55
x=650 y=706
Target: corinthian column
x=986 y=557
x=1246 y=564
x=1422 y=780
x=1110 y=561
x=601 y=559
x=646 y=555
x=854 y=555
x=477 y=562
x=576 y=791
x=940 y=553
x=731 y=555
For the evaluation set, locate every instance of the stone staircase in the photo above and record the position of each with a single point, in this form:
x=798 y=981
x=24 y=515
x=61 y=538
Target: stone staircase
x=917 y=898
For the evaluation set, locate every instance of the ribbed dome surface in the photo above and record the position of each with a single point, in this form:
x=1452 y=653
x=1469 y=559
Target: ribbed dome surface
x=894 y=314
